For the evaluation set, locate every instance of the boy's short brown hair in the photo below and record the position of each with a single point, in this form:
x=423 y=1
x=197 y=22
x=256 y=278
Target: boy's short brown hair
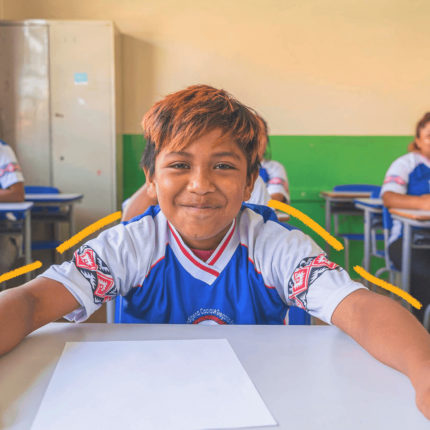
x=186 y=115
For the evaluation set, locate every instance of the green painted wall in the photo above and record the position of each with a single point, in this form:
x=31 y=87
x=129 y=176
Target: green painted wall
x=133 y=177
x=313 y=163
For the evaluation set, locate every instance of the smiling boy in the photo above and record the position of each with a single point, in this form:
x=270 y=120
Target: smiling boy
x=203 y=256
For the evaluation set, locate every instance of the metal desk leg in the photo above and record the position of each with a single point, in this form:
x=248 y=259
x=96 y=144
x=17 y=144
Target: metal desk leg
x=406 y=256
x=27 y=241
x=71 y=221
x=110 y=312
x=327 y=222
x=367 y=240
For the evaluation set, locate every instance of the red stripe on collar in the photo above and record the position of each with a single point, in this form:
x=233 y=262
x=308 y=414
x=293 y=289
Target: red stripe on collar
x=189 y=256
x=224 y=245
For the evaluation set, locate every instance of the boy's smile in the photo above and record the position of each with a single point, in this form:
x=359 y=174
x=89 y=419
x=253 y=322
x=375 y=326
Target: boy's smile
x=200 y=188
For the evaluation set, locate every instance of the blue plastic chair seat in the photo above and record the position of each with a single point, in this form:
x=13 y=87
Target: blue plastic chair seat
x=47 y=244
x=39 y=189
x=359 y=236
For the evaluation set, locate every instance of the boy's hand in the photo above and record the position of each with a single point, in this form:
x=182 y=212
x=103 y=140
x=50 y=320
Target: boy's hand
x=421 y=383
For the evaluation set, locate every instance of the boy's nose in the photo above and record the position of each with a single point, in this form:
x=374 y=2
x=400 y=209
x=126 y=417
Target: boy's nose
x=200 y=182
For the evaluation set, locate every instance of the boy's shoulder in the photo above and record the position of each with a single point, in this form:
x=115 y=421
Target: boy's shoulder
x=151 y=212
x=258 y=229
x=252 y=213
x=262 y=233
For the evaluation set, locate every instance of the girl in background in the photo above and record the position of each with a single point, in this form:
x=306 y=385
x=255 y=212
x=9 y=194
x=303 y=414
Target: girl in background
x=407 y=186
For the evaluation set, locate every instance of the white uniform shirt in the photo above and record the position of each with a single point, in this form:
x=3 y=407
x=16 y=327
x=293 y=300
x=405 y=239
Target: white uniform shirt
x=10 y=171
x=409 y=174
x=277 y=178
x=259 y=269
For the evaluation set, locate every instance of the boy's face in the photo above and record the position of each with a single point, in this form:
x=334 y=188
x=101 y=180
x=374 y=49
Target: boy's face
x=201 y=187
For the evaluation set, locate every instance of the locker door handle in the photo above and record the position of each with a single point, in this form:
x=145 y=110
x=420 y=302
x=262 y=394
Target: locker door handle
x=58 y=115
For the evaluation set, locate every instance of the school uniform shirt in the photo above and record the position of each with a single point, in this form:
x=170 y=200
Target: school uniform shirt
x=409 y=174
x=258 y=270
x=10 y=171
x=274 y=175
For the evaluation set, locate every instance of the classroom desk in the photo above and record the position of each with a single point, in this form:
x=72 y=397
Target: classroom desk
x=61 y=200
x=310 y=377
x=23 y=208
x=339 y=202
x=370 y=207
x=409 y=218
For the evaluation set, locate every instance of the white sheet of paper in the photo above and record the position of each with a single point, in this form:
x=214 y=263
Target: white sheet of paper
x=165 y=384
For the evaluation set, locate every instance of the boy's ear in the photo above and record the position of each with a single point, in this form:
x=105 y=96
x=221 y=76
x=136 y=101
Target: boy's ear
x=250 y=185
x=150 y=185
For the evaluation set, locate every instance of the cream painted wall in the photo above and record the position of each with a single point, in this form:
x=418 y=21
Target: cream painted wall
x=309 y=66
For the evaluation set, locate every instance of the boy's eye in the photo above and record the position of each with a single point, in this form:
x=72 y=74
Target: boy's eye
x=223 y=166
x=179 y=166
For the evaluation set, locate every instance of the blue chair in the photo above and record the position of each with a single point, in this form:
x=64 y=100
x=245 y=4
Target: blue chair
x=296 y=316
x=350 y=209
x=41 y=189
x=365 y=188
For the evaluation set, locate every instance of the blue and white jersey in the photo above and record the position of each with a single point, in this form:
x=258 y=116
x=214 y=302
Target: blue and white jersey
x=258 y=270
x=10 y=171
x=409 y=174
x=274 y=175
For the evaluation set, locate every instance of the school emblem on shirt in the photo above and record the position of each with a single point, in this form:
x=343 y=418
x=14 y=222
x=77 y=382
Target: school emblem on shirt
x=307 y=271
x=209 y=317
x=96 y=272
x=86 y=260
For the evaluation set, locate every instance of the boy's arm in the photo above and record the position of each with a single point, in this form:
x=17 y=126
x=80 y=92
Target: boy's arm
x=405 y=201
x=14 y=193
x=24 y=309
x=392 y=335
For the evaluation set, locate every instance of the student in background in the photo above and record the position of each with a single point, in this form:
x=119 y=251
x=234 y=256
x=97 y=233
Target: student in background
x=407 y=185
x=275 y=177
x=11 y=190
x=11 y=179
x=203 y=256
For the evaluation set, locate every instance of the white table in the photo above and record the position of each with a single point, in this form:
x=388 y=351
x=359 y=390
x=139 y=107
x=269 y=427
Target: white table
x=310 y=377
x=66 y=200
x=23 y=208
x=409 y=218
x=343 y=199
x=370 y=207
